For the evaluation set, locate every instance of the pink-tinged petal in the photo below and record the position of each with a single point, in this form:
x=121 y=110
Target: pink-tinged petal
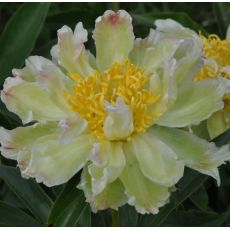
x=29 y=101
x=48 y=76
x=113 y=37
x=54 y=163
x=70 y=51
x=13 y=141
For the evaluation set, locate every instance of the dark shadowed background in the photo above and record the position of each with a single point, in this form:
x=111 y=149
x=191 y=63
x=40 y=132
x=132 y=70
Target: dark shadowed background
x=31 y=29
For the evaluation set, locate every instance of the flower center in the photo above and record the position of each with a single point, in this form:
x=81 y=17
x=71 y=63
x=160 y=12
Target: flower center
x=123 y=80
x=219 y=51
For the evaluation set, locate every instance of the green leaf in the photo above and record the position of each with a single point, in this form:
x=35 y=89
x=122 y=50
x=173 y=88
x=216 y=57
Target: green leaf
x=30 y=193
x=9 y=197
x=194 y=218
x=128 y=216
x=70 y=208
x=223 y=138
x=222 y=17
x=19 y=36
x=148 y=19
x=102 y=218
x=200 y=198
x=190 y=182
x=14 y=217
x=7 y=119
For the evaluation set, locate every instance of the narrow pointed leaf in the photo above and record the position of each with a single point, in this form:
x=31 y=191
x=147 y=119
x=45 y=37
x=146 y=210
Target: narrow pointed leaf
x=194 y=218
x=222 y=16
x=14 y=217
x=19 y=36
x=31 y=194
x=70 y=208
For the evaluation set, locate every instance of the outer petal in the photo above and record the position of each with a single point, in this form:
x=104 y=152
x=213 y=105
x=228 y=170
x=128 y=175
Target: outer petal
x=189 y=53
x=195 y=103
x=174 y=30
x=70 y=51
x=29 y=101
x=72 y=127
x=119 y=122
x=108 y=162
x=150 y=55
x=48 y=76
x=12 y=141
x=197 y=153
x=53 y=163
x=111 y=197
x=157 y=161
x=218 y=123
x=114 y=37
x=145 y=195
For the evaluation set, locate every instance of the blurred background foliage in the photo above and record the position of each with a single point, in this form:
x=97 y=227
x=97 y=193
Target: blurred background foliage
x=31 y=29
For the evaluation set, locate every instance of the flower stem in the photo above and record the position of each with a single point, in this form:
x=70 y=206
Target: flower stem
x=115 y=219
x=116 y=6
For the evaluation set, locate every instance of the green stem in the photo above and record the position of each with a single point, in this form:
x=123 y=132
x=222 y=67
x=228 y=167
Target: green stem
x=115 y=219
x=116 y=6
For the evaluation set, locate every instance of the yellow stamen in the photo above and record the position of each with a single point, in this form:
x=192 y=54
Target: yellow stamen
x=219 y=51
x=121 y=80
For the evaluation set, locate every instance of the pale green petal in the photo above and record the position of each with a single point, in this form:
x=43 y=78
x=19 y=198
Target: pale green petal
x=12 y=141
x=112 y=196
x=48 y=76
x=157 y=161
x=113 y=37
x=119 y=121
x=165 y=86
x=195 y=102
x=72 y=127
x=138 y=53
x=228 y=33
x=25 y=73
x=174 y=30
x=29 y=101
x=152 y=56
x=145 y=195
x=108 y=162
x=197 y=153
x=218 y=123
x=53 y=163
x=70 y=51
x=188 y=54
x=187 y=68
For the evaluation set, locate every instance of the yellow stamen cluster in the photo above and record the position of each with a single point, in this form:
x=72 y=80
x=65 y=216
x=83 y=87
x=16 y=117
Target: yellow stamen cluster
x=219 y=51
x=123 y=80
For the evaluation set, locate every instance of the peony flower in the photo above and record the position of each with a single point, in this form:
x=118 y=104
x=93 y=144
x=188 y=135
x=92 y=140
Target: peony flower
x=217 y=64
x=116 y=115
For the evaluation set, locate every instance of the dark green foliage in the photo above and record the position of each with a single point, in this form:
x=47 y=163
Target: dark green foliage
x=31 y=28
